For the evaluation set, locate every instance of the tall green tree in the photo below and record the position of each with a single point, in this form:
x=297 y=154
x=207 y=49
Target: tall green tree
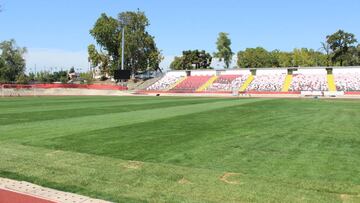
x=100 y=60
x=341 y=44
x=224 y=52
x=192 y=59
x=177 y=64
x=12 y=62
x=141 y=52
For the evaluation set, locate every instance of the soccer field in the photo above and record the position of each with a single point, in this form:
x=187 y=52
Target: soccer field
x=170 y=149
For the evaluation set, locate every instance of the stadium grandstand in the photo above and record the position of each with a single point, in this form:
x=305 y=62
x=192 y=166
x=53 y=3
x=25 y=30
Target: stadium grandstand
x=273 y=81
x=319 y=81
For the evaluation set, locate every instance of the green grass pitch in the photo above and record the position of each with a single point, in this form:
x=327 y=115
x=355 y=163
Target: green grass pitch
x=171 y=149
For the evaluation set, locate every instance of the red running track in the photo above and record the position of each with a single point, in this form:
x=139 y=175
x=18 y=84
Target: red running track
x=7 y=196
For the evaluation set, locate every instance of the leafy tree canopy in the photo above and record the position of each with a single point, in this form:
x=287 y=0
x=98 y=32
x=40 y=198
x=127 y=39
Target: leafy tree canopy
x=224 y=52
x=12 y=62
x=141 y=52
x=254 y=58
x=342 y=45
x=260 y=58
x=192 y=59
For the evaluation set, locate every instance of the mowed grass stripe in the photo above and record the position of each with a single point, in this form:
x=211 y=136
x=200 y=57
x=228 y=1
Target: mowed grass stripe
x=4 y=101
x=9 y=102
x=40 y=107
x=63 y=127
x=128 y=181
x=78 y=110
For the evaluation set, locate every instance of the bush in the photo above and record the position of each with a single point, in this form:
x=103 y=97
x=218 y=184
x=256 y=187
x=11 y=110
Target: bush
x=87 y=77
x=22 y=79
x=64 y=79
x=103 y=78
x=45 y=77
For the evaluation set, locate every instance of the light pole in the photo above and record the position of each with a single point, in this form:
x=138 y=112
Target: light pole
x=122 y=47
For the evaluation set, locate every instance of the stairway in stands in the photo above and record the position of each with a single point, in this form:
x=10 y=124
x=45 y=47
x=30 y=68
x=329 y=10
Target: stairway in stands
x=207 y=84
x=246 y=83
x=331 y=82
x=177 y=83
x=287 y=83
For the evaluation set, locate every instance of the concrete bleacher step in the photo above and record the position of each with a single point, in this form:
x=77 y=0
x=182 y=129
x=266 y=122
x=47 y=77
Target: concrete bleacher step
x=147 y=83
x=331 y=82
x=287 y=83
x=177 y=83
x=207 y=84
x=246 y=83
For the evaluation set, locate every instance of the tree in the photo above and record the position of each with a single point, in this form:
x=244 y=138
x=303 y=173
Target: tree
x=88 y=77
x=176 y=64
x=260 y=58
x=22 y=79
x=141 y=52
x=285 y=59
x=308 y=57
x=301 y=57
x=274 y=58
x=72 y=70
x=12 y=62
x=192 y=59
x=45 y=77
x=60 y=76
x=97 y=59
x=254 y=58
x=326 y=48
x=224 y=52
x=341 y=44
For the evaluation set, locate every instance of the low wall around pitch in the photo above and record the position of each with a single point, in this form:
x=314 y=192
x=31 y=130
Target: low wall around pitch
x=13 y=92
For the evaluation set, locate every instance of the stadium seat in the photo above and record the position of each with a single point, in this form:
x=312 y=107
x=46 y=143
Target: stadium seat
x=226 y=83
x=164 y=83
x=190 y=84
x=347 y=81
x=264 y=83
x=309 y=82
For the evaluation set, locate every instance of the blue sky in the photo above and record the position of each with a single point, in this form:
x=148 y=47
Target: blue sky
x=56 y=32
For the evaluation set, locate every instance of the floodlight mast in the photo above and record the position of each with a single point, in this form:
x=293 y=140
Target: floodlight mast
x=122 y=47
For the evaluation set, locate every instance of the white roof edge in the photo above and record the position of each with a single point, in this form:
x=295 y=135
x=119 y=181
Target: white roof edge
x=266 y=68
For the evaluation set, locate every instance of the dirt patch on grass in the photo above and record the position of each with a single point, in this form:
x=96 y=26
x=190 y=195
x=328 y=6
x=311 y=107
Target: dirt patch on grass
x=349 y=198
x=345 y=197
x=184 y=181
x=226 y=176
x=53 y=153
x=133 y=165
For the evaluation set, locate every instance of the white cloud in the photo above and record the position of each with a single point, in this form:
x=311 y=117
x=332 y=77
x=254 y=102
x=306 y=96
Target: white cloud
x=45 y=59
